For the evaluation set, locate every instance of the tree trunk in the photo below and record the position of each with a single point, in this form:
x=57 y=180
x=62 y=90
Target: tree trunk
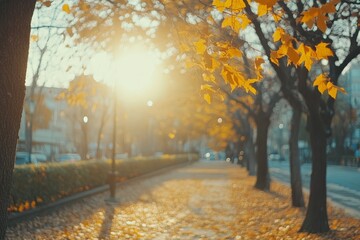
x=31 y=121
x=295 y=176
x=250 y=155
x=84 y=143
x=263 y=177
x=316 y=220
x=15 y=19
x=102 y=125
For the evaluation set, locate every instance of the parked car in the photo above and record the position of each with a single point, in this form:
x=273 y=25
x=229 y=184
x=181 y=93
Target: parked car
x=41 y=157
x=276 y=157
x=68 y=157
x=23 y=158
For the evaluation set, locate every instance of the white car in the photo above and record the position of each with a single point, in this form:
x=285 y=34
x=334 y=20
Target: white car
x=68 y=157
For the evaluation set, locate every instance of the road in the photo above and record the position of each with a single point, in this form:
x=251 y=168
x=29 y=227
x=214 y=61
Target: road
x=343 y=183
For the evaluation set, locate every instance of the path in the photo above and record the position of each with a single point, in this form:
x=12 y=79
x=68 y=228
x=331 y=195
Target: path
x=205 y=200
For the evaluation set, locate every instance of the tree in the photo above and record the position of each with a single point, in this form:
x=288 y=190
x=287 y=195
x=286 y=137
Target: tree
x=44 y=43
x=306 y=32
x=14 y=38
x=87 y=98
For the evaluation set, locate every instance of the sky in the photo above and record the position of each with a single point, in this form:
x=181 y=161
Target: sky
x=62 y=61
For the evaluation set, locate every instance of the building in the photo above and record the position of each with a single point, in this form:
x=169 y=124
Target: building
x=350 y=80
x=53 y=138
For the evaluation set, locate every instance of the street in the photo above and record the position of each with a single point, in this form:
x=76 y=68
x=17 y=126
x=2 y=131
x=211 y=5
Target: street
x=343 y=183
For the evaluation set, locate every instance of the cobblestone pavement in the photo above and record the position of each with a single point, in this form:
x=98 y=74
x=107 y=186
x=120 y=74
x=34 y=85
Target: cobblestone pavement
x=205 y=200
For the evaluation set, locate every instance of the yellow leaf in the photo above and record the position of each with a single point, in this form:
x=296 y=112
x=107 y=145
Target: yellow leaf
x=208 y=77
x=282 y=51
x=277 y=34
x=330 y=6
x=200 y=46
x=322 y=87
x=27 y=205
x=66 y=8
x=207 y=87
x=321 y=82
x=215 y=64
x=262 y=10
x=21 y=208
x=245 y=21
x=306 y=54
x=207 y=98
x=321 y=22
x=277 y=16
x=333 y=89
x=268 y=3
x=220 y=5
x=232 y=22
x=237 y=5
x=321 y=79
x=34 y=38
x=309 y=16
x=293 y=55
x=323 y=51
x=248 y=87
x=333 y=92
x=234 y=52
x=274 y=57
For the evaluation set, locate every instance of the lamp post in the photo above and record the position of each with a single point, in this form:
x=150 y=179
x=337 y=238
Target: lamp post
x=150 y=149
x=112 y=174
x=30 y=126
x=85 y=132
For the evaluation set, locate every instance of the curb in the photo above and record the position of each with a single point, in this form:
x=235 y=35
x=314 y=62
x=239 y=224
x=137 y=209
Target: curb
x=30 y=214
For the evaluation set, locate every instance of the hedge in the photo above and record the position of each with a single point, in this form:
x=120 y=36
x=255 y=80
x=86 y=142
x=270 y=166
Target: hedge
x=41 y=184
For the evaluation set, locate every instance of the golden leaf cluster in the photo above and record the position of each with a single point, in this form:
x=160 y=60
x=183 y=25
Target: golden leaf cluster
x=292 y=48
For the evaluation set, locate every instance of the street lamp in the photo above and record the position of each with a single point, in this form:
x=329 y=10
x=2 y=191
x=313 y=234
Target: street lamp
x=112 y=175
x=124 y=67
x=85 y=132
x=85 y=119
x=150 y=104
x=30 y=126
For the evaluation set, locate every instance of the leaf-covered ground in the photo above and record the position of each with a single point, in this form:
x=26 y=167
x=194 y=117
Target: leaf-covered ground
x=206 y=200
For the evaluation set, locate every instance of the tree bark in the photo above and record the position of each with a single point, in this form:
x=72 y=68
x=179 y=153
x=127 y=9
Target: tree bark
x=263 y=177
x=295 y=170
x=250 y=156
x=84 y=142
x=15 y=19
x=316 y=220
x=101 y=128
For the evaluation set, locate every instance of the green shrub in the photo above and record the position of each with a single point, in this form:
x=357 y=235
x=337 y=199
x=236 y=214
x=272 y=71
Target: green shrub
x=44 y=183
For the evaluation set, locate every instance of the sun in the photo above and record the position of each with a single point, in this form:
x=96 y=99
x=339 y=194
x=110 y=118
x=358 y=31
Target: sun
x=135 y=71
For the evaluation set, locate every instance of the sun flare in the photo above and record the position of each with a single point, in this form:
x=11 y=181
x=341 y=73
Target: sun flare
x=135 y=71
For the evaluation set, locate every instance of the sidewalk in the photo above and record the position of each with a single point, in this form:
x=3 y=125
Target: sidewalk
x=205 y=200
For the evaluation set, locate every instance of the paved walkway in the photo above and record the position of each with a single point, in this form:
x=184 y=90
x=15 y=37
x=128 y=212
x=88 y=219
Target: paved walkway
x=205 y=200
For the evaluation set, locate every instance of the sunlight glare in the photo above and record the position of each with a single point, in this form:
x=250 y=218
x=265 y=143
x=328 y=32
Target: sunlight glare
x=134 y=72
